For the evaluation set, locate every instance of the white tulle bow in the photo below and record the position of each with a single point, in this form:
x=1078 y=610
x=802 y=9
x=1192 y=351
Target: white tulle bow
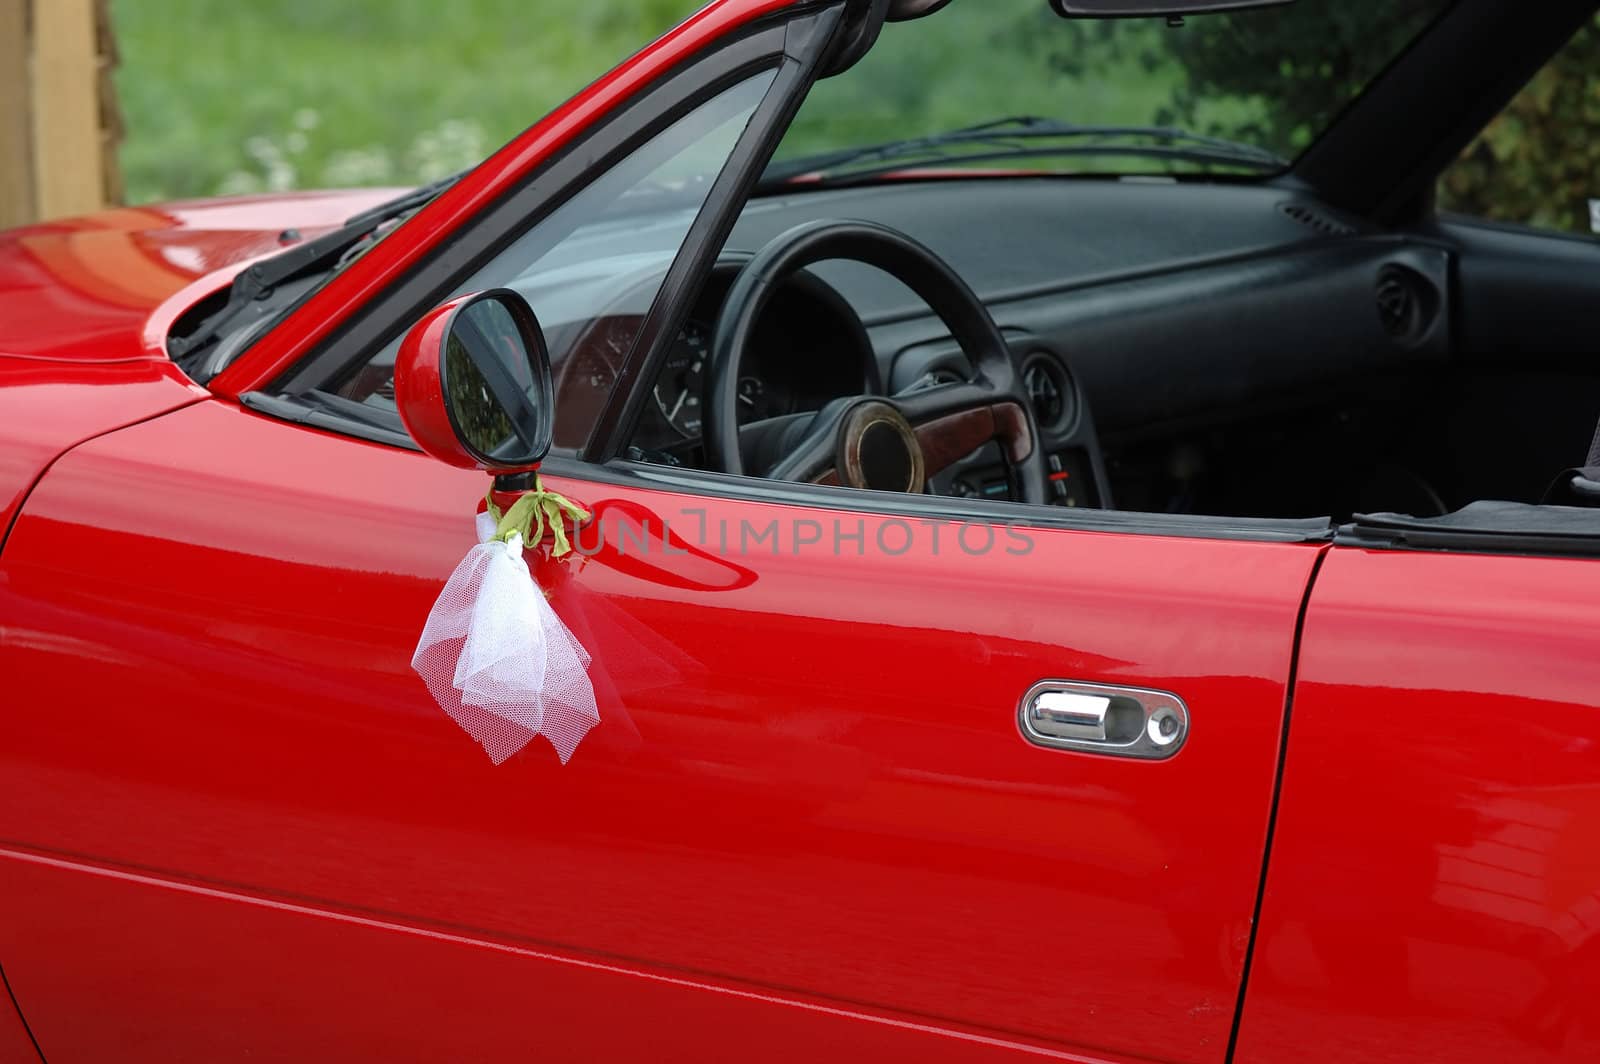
x=498 y=659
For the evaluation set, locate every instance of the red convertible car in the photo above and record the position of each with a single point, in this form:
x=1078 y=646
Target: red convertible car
x=1055 y=587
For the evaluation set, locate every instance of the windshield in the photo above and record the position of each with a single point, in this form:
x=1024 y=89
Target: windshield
x=1259 y=86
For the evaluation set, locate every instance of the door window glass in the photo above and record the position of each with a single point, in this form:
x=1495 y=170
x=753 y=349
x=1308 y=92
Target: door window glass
x=593 y=266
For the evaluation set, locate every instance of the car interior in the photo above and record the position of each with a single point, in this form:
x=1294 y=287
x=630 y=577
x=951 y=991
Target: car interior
x=1262 y=357
x=1265 y=356
x=1317 y=342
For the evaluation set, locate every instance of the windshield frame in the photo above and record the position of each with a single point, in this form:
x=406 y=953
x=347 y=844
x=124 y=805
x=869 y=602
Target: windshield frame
x=831 y=166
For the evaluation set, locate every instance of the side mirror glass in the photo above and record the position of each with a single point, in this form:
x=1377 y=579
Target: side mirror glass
x=472 y=381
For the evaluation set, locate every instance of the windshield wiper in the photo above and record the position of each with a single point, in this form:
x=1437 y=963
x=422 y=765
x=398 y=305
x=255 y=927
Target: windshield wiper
x=414 y=200
x=304 y=260
x=1022 y=137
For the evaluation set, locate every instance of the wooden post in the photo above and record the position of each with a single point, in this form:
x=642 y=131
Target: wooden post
x=16 y=117
x=59 y=125
x=110 y=113
x=67 y=158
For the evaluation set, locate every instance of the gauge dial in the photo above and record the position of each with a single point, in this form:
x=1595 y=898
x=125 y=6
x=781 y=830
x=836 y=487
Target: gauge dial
x=752 y=400
x=682 y=381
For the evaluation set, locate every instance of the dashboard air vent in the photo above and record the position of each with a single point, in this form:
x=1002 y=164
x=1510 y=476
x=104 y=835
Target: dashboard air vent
x=1406 y=303
x=1316 y=218
x=1050 y=391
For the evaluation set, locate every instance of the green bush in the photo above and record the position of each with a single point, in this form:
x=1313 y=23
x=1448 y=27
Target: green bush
x=1298 y=70
x=1539 y=162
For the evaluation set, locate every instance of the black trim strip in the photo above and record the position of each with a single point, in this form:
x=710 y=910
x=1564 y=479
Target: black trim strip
x=685 y=481
x=323 y=410
x=1485 y=541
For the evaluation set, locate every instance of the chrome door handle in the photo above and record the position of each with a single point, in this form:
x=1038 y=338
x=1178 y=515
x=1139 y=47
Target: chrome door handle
x=1104 y=719
x=1070 y=715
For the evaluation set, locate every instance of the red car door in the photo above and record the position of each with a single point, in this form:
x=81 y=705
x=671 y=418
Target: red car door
x=1434 y=887
x=235 y=821
x=234 y=824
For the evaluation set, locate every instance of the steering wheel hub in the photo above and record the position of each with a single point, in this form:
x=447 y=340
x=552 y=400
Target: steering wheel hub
x=878 y=449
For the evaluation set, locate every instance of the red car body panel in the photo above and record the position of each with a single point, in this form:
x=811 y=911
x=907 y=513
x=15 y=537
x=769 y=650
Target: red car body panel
x=393 y=993
x=1434 y=888
x=85 y=305
x=48 y=407
x=808 y=782
x=88 y=289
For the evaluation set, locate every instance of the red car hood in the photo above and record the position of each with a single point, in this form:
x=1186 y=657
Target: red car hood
x=105 y=287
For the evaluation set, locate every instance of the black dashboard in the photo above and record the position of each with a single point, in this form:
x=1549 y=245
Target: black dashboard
x=1145 y=317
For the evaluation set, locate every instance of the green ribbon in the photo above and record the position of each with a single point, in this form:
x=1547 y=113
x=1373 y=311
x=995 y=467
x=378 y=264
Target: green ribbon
x=533 y=512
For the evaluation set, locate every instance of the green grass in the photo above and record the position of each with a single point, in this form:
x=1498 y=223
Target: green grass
x=234 y=94
x=239 y=96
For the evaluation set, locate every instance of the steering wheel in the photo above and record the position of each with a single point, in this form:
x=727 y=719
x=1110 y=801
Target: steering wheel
x=887 y=443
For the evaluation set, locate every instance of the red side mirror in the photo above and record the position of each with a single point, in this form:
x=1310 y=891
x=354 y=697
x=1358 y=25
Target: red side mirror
x=472 y=381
